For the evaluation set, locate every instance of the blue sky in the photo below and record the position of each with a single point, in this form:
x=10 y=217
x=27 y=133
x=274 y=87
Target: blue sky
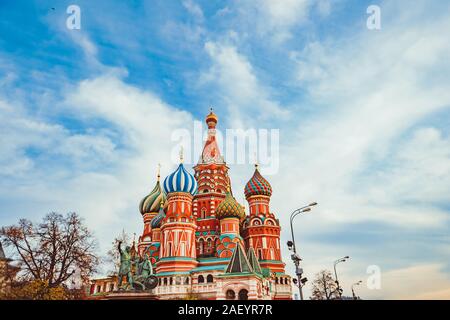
x=363 y=117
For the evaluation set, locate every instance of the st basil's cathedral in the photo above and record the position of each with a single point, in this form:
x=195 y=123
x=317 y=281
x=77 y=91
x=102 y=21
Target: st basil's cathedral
x=200 y=240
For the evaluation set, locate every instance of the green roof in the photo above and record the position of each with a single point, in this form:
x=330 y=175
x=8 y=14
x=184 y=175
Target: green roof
x=254 y=261
x=208 y=268
x=239 y=262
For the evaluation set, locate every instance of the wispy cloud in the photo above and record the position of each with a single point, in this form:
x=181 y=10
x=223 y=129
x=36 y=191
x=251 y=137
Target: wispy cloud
x=362 y=118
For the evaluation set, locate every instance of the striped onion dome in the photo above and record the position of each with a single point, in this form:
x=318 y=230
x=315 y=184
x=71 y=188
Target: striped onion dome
x=257 y=185
x=157 y=220
x=180 y=181
x=152 y=202
x=229 y=208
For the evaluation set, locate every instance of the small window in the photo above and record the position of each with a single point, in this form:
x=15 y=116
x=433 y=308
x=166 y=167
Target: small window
x=209 y=278
x=230 y=295
x=243 y=294
x=200 y=246
x=201 y=279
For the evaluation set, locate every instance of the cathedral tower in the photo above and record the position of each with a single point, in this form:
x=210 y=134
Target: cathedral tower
x=230 y=213
x=177 y=252
x=211 y=173
x=149 y=208
x=261 y=228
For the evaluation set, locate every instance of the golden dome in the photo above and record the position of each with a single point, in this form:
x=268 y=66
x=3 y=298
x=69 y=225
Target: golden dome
x=229 y=208
x=211 y=119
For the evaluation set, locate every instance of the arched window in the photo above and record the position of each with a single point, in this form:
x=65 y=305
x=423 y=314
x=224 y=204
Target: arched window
x=203 y=213
x=200 y=246
x=209 y=243
x=276 y=280
x=209 y=278
x=201 y=279
x=243 y=294
x=230 y=295
x=186 y=281
x=165 y=281
x=171 y=281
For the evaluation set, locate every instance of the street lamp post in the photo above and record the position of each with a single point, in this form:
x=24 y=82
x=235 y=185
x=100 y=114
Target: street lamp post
x=291 y=245
x=353 y=290
x=335 y=274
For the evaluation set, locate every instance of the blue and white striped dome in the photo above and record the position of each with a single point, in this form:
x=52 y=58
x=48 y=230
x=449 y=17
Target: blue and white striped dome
x=180 y=181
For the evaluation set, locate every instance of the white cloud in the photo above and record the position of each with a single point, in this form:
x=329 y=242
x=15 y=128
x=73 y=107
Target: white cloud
x=277 y=21
x=194 y=9
x=357 y=155
x=419 y=171
x=276 y=18
x=246 y=99
x=427 y=281
x=370 y=95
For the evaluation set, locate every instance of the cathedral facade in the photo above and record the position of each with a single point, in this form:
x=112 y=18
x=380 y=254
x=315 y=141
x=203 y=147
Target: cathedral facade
x=200 y=240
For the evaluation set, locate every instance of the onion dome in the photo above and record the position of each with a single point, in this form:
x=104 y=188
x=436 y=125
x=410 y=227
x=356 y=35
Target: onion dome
x=157 y=220
x=211 y=119
x=152 y=202
x=180 y=181
x=229 y=208
x=257 y=185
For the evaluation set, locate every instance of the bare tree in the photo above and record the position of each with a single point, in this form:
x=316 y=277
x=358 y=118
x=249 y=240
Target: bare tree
x=54 y=250
x=324 y=286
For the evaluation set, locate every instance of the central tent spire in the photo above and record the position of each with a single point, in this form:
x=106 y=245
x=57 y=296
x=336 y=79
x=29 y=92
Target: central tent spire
x=211 y=153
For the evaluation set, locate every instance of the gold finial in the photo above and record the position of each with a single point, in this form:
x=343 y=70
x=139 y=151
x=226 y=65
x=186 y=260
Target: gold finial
x=159 y=171
x=181 y=154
